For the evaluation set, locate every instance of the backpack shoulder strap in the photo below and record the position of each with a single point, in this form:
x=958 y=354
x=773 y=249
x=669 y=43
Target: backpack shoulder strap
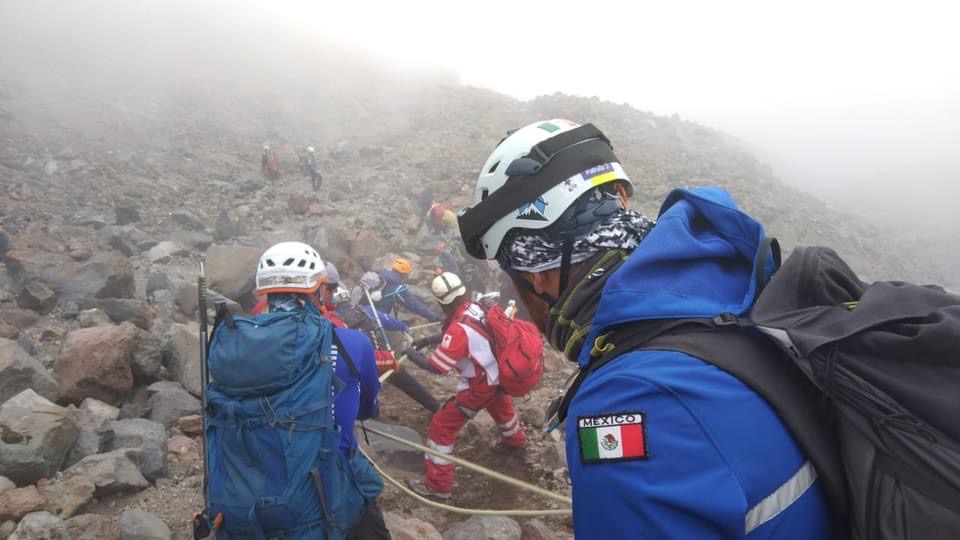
x=342 y=352
x=760 y=365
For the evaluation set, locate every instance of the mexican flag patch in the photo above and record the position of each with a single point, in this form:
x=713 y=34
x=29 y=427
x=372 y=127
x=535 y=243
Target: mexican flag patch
x=612 y=437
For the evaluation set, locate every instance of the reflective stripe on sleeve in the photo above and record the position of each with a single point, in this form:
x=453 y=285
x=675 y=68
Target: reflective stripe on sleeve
x=781 y=498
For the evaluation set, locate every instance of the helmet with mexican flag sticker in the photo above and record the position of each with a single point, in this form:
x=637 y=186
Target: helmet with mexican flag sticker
x=531 y=179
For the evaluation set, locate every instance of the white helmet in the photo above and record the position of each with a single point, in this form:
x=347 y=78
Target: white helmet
x=340 y=296
x=266 y=147
x=290 y=267
x=550 y=164
x=447 y=287
x=310 y=149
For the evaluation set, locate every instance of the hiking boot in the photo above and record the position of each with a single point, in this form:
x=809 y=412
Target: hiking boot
x=421 y=488
x=502 y=448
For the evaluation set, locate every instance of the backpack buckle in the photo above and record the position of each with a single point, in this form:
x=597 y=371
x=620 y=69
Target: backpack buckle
x=726 y=319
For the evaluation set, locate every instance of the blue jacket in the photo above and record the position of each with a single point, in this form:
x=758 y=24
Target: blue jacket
x=708 y=458
x=359 y=399
x=396 y=294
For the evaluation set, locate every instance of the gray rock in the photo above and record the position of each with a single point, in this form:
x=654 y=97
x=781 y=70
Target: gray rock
x=128 y=239
x=20 y=371
x=93 y=527
x=250 y=182
x=145 y=434
x=6 y=483
x=84 y=219
x=140 y=525
x=197 y=241
x=231 y=271
x=7 y=528
x=92 y=317
x=36 y=436
x=38 y=297
x=157 y=281
x=126 y=214
x=147 y=358
x=182 y=355
x=111 y=472
x=67 y=497
x=106 y=275
x=165 y=251
x=169 y=401
x=40 y=526
x=91 y=417
x=393 y=455
x=225 y=227
x=185 y=296
x=484 y=528
x=188 y=220
x=122 y=310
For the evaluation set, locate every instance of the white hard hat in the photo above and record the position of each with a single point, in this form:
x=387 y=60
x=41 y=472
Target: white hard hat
x=266 y=147
x=290 y=267
x=447 y=287
x=551 y=164
x=310 y=149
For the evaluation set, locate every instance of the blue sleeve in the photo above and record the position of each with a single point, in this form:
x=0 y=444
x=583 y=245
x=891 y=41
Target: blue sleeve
x=411 y=302
x=388 y=322
x=682 y=487
x=361 y=354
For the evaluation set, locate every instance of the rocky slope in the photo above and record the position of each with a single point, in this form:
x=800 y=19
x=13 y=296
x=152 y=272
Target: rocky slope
x=114 y=197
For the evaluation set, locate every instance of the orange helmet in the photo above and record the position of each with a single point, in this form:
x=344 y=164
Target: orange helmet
x=402 y=265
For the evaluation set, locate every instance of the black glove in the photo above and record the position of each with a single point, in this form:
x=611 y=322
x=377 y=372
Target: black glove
x=427 y=340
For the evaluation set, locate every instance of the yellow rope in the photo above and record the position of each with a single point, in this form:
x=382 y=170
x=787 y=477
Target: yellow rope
x=474 y=467
x=422 y=326
x=458 y=509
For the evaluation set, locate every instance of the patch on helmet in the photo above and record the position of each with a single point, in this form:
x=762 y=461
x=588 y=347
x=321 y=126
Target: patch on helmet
x=549 y=127
x=533 y=211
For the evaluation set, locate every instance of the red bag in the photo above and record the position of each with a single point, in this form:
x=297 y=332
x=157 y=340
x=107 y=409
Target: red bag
x=519 y=351
x=385 y=361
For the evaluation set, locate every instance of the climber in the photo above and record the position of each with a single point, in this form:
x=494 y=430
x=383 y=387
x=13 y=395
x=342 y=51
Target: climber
x=308 y=162
x=464 y=345
x=269 y=163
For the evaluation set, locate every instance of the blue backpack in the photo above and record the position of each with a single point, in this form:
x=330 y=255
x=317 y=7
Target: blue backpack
x=275 y=466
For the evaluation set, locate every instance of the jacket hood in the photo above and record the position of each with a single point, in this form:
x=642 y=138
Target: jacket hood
x=698 y=261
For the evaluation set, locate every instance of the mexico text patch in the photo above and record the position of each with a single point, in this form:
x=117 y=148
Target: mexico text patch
x=612 y=437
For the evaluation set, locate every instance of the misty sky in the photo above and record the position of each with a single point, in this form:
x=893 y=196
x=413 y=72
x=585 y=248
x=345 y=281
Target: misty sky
x=858 y=102
x=860 y=99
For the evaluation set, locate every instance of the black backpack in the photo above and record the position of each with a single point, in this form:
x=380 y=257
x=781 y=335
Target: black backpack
x=869 y=385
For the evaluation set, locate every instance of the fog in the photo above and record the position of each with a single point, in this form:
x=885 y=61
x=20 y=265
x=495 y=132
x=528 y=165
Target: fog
x=857 y=102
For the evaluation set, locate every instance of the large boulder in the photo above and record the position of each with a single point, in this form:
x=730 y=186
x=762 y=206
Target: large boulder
x=93 y=527
x=181 y=354
x=392 y=454
x=37 y=297
x=68 y=496
x=121 y=310
x=157 y=281
x=144 y=434
x=410 y=528
x=366 y=247
x=20 y=371
x=126 y=214
x=16 y=503
x=139 y=525
x=106 y=275
x=35 y=436
x=226 y=227
x=111 y=472
x=95 y=362
x=188 y=220
x=169 y=401
x=147 y=358
x=484 y=528
x=128 y=239
x=231 y=270
x=91 y=417
x=40 y=526
x=165 y=251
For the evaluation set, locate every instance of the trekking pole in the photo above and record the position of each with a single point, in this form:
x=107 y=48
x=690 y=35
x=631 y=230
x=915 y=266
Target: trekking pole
x=427 y=325
x=201 y=520
x=376 y=317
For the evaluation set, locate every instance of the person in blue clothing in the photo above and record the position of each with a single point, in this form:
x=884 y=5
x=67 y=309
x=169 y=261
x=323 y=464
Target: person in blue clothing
x=659 y=443
x=353 y=357
x=390 y=292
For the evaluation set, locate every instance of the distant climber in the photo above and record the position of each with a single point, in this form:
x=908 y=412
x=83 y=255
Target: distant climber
x=308 y=162
x=269 y=163
x=464 y=345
